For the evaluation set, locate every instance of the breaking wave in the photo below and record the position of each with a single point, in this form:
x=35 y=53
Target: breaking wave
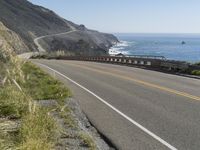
x=121 y=47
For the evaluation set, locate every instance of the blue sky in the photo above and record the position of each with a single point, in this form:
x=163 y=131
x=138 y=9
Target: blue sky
x=130 y=16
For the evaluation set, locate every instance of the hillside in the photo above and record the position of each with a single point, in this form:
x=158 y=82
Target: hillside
x=10 y=41
x=86 y=42
x=30 y=21
x=36 y=110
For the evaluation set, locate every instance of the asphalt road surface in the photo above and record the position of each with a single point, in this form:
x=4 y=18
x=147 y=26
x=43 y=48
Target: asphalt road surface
x=135 y=109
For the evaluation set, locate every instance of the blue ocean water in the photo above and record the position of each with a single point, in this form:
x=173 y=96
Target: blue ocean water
x=168 y=45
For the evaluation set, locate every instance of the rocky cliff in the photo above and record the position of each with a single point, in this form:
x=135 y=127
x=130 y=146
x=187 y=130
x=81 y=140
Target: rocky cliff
x=10 y=41
x=80 y=43
x=30 y=21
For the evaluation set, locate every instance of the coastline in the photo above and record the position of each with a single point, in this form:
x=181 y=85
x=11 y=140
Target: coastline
x=165 y=45
x=117 y=48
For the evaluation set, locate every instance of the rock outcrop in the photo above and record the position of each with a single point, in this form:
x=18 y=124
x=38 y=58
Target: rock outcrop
x=10 y=41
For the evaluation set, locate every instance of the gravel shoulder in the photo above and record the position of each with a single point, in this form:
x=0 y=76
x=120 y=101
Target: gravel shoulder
x=75 y=130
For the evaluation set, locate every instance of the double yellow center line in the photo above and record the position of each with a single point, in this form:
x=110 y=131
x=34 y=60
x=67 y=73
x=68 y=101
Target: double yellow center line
x=184 y=94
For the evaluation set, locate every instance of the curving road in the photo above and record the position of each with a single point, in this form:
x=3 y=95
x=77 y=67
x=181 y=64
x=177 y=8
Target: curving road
x=135 y=109
x=41 y=49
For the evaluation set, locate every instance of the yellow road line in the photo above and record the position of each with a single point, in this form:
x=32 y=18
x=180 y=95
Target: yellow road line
x=184 y=94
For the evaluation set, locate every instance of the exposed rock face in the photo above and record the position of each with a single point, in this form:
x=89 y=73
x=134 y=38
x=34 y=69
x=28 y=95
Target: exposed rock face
x=82 y=27
x=30 y=21
x=10 y=41
x=85 y=42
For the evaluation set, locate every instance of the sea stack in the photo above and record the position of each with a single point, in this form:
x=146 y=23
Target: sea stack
x=183 y=42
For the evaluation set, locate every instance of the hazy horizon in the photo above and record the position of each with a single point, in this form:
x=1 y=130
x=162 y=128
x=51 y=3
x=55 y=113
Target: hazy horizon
x=130 y=16
x=159 y=33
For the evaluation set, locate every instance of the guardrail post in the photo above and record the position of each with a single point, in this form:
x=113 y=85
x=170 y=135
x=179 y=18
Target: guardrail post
x=135 y=62
x=148 y=63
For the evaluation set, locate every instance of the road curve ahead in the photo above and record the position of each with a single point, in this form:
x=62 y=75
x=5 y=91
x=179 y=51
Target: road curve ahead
x=135 y=109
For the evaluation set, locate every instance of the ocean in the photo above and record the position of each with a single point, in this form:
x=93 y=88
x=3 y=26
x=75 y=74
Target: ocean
x=183 y=47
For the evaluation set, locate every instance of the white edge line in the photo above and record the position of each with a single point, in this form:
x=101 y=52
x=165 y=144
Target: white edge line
x=116 y=110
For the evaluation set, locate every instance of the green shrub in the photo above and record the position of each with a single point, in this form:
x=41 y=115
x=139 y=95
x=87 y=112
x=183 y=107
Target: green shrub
x=196 y=72
x=5 y=141
x=198 y=64
x=38 y=130
x=12 y=102
x=10 y=65
x=41 y=86
x=87 y=141
x=36 y=144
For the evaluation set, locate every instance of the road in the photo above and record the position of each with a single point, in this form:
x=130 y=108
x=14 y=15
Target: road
x=39 y=47
x=135 y=109
x=36 y=40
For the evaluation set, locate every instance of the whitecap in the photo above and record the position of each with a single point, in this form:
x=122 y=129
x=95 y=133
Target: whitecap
x=114 y=50
x=119 y=47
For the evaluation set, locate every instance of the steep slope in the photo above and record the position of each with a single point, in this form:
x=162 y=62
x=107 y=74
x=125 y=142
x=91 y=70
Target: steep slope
x=30 y=21
x=80 y=43
x=10 y=41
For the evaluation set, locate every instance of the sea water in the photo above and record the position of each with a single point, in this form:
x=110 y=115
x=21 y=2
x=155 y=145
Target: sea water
x=183 y=47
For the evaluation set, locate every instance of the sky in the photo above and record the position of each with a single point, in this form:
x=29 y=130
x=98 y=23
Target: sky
x=130 y=16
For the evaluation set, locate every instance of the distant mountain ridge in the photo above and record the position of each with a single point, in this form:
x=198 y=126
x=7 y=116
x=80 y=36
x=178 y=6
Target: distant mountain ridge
x=30 y=21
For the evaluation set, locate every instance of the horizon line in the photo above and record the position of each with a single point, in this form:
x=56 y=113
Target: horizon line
x=152 y=33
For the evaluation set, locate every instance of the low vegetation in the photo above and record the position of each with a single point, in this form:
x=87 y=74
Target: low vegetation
x=20 y=84
x=196 y=72
x=53 y=54
x=13 y=103
x=40 y=86
x=25 y=124
x=87 y=141
x=198 y=64
x=38 y=131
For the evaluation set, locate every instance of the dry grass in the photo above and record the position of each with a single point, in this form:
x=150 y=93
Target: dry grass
x=13 y=103
x=41 y=86
x=20 y=84
x=38 y=131
x=87 y=141
x=36 y=144
x=10 y=66
x=6 y=142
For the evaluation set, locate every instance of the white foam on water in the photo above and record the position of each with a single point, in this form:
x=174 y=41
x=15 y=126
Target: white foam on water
x=119 y=47
x=114 y=50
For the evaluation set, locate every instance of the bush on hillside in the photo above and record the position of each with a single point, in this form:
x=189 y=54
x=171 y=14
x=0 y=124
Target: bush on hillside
x=12 y=102
x=38 y=130
x=196 y=72
x=40 y=86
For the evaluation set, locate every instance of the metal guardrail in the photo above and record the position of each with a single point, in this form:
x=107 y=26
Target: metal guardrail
x=145 y=61
x=131 y=61
x=147 y=56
